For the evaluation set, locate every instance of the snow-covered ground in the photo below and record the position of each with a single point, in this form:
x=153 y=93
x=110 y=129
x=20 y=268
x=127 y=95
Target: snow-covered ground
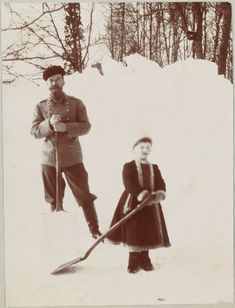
x=187 y=108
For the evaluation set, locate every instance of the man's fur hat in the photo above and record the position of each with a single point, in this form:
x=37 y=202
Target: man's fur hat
x=53 y=70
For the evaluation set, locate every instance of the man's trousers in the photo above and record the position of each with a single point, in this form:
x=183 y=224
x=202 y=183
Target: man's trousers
x=77 y=179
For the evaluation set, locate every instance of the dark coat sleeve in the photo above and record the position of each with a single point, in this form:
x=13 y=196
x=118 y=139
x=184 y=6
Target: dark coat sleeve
x=40 y=126
x=130 y=180
x=159 y=181
x=82 y=125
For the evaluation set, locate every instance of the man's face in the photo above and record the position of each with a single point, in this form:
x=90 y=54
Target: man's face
x=142 y=150
x=55 y=84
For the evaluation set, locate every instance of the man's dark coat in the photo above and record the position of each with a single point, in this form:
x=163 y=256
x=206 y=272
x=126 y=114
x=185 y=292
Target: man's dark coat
x=73 y=114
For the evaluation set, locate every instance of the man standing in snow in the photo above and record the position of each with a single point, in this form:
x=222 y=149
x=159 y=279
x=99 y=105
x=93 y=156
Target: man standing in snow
x=61 y=119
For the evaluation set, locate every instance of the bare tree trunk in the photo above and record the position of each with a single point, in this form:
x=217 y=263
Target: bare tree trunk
x=165 y=40
x=122 y=53
x=197 y=42
x=158 y=39
x=144 y=28
x=226 y=30
x=164 y=35
x=111 y=30
x=175 y=44
x=205 y=32
x=137 y=27
x=218 y=17
x=169 y=41
x=150 y=32
x=174 y=53
x=187 y=48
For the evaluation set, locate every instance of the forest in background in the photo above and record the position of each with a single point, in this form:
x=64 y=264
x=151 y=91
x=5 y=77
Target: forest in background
x=164 y=32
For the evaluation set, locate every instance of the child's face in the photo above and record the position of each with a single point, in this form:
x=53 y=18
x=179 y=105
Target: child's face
x=142 y=150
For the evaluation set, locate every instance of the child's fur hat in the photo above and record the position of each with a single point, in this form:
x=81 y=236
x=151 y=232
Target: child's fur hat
x=141 y=136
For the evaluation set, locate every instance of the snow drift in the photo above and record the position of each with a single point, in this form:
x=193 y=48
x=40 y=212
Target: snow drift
x=187 y=109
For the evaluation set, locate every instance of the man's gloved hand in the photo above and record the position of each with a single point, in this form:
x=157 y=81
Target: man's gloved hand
x=56 y=124
x=55 y=119
x=60 y=127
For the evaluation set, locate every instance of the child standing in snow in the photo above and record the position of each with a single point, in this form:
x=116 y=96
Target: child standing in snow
x=147 y=229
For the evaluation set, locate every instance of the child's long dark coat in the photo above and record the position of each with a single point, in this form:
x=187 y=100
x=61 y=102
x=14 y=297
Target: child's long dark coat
x=146 y=229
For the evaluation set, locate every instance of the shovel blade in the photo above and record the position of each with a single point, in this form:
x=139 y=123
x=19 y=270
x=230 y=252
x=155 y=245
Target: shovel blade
x=62 y=268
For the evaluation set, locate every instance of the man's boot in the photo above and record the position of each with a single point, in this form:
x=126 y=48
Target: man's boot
x=133 y=262
x=145 y=261
x=92 y=220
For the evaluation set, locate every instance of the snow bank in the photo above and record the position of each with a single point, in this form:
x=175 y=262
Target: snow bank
x=187 y=109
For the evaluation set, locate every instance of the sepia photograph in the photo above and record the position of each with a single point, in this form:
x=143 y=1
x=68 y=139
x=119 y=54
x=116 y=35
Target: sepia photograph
x=117 y=125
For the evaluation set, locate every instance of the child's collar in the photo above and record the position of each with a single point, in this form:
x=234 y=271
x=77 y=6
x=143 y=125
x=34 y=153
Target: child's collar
x=140 y=161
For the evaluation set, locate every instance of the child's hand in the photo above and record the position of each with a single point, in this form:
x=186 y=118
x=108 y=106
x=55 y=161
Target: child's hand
x=143 y=195
x=148 y=195
x=159 y=196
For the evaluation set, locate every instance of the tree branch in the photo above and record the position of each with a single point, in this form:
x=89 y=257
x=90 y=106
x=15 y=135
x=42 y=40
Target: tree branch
x=29 y=58
x=26 y=25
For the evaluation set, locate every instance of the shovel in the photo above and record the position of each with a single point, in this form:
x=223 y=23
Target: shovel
x=62 y=268
x=58 y=175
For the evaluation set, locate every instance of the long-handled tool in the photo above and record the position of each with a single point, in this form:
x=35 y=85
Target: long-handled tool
x=58 y=176
x=66 y=265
